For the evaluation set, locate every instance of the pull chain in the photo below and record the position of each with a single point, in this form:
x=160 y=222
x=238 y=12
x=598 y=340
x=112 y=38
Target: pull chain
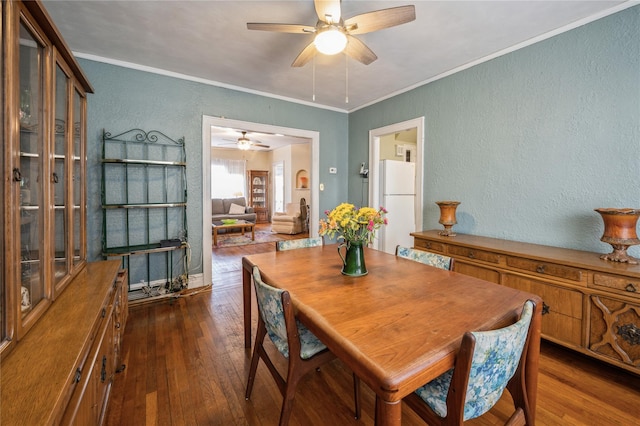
x=313 y=78
x=346 y=79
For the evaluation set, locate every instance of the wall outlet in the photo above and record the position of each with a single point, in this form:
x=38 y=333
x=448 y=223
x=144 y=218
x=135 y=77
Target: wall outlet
x=333 y=170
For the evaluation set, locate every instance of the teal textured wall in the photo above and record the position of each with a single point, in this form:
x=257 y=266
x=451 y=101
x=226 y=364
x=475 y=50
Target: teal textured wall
x=126 y=98
x=532 y=141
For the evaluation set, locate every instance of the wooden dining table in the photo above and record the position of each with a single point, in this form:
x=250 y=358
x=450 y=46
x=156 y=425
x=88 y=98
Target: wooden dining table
x=399 y=326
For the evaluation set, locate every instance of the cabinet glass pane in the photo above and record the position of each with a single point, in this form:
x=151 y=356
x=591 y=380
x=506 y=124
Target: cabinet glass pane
x=31 y=181
x=76 y=178
x=61 y=229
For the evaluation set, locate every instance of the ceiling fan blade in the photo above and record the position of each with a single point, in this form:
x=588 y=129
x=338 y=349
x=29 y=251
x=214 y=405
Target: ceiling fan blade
x=260 y=145
x=380 y=19
x=359 y=51
x=305 y=56
x=281 y=28
x=328 y=8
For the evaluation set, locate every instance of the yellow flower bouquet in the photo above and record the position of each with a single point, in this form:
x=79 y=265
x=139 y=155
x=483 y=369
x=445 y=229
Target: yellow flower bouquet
x=352 y=224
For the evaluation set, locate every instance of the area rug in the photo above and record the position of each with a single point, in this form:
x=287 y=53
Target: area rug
x=236 y=239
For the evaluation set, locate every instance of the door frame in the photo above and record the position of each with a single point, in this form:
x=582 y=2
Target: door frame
x=374 y=165
x=207 y=123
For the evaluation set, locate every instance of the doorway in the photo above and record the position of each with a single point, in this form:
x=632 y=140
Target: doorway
x=210 y=121
x=278 y=186
x=416 y=154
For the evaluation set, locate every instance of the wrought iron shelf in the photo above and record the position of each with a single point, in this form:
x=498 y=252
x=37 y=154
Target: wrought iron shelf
x=144 y=205
x=143 y=162
x=140 y=249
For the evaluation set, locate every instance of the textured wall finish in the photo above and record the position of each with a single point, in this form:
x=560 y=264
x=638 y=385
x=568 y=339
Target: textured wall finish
x=126 y=99
x=533 y=141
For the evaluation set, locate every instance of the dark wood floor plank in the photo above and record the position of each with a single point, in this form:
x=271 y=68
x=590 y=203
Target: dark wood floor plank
x=187 y=365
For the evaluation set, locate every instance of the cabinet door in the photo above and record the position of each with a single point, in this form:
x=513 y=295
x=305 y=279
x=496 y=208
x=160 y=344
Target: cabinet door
x=78 y=212
x=614 y=331
x=60 y=179
x=32 y=174
x=561 y=311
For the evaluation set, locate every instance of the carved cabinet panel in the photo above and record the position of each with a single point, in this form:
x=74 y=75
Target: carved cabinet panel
x=615 y=330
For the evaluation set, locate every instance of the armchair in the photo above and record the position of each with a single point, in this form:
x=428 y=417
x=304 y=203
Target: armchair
x=292 y=221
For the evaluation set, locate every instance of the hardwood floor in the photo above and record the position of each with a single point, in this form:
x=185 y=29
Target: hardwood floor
x=186 y=365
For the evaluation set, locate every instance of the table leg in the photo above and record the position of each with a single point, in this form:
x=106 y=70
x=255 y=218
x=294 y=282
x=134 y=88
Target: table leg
x=253 y=233
x=246 y=303
x=388 y=413
x=215 y=237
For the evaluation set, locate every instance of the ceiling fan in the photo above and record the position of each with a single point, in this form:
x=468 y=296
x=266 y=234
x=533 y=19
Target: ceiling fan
x=244 y=143
x=338 y=34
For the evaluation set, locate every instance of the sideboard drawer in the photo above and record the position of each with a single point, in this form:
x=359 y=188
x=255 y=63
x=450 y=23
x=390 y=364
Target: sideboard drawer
x=474 y=270
x=485 y=256
x=629 y=286
x=560 y=271
x=429 y=245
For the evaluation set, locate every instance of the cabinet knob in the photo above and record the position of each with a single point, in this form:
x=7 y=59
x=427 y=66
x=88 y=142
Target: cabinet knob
x=78 y=376
x=540 y=269
x=118 y=325
x=631 y=288
x=471 y=255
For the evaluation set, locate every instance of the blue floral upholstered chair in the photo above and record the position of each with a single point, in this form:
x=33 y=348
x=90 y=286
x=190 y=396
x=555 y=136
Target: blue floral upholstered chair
x=299 y=243
x=431 y=259
x=303 y=350
x=487 y=363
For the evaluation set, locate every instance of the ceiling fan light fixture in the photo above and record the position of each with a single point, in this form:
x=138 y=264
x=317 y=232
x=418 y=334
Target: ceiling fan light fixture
x=330 y=41
x=244 y=144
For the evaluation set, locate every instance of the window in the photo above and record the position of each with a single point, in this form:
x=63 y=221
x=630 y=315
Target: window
x=228 y=178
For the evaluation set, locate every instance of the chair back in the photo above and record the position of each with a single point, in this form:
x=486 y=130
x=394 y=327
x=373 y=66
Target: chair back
x=496 y=356
x=272 y=312
x=431 y=259
x=299 y=243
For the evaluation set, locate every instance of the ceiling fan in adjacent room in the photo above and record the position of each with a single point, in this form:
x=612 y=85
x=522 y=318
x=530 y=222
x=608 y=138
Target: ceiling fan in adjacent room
x=244 y=143
x=333 y=34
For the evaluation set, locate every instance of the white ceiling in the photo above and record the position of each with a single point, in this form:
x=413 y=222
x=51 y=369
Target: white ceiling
x=209 y=41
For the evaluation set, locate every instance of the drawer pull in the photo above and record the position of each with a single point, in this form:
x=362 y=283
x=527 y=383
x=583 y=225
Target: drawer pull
x=103 y=313
x=545 y=308
x=103 y=371
x=471 y=255
x=540 y=269
x=630 y=333
x=118 y=325
x=78 y=376
x=631 y=288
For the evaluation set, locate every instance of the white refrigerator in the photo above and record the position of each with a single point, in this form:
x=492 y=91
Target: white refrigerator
x=398 y=196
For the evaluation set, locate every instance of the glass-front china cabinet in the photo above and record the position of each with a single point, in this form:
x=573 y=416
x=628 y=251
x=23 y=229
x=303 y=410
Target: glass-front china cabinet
x=43 y=164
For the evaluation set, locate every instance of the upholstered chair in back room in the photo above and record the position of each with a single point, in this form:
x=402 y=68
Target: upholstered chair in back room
x=303 y=350
x=487 y=363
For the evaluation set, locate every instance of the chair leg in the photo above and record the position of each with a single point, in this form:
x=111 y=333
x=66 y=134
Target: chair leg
x=356 y=394
x=255 y=357
x=288 y=398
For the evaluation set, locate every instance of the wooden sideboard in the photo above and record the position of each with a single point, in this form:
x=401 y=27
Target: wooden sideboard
x=590 y=305
x=62 y=371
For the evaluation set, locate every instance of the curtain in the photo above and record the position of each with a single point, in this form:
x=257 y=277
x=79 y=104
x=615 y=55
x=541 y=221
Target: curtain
x=228 y=178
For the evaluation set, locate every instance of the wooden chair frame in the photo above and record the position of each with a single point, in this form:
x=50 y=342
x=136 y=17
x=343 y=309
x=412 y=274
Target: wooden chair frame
x=457 y=393
x=297 y=367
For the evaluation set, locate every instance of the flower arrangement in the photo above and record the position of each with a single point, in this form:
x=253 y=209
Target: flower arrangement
x=352 y=224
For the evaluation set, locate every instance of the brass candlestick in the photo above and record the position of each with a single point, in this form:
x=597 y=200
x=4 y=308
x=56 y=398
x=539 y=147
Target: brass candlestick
x=620 y=232
x=447 y=217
